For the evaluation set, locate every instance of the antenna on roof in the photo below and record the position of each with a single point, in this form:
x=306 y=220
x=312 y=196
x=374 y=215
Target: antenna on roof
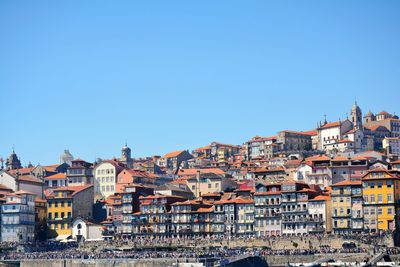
x=325 y=122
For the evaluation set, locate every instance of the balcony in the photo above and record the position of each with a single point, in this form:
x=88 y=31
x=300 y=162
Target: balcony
x=299 y=220
x=294 y=211
x=317 y=229
x=341 y=215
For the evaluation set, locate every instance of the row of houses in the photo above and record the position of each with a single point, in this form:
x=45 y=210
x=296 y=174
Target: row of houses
x=289 y=208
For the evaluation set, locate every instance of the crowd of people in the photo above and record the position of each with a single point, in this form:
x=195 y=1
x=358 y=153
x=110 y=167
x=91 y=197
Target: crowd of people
x=75 y=253
x=181 y=247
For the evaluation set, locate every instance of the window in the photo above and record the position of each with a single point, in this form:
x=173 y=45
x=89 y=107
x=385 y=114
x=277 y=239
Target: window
x=55 y=215
x=379 y=198
x=380 y=211
x=372 y=198
x=209 y=185
x=372 y=211
x=389 y=198
x=390 y=211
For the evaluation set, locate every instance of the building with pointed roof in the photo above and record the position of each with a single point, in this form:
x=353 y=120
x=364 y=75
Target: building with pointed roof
x=13 y=162
x=66 y=157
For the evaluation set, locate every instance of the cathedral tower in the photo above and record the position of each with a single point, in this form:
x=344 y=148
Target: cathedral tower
x=356 y=116
x=126 y=156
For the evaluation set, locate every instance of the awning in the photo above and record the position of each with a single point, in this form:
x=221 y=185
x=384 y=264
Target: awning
x=62 y=237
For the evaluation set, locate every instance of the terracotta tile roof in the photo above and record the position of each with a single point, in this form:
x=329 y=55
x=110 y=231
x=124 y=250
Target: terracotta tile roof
x=205 y=210
x=202 y=148
x=74 y=189
x=51 y=168
x=360 y=158
x=347 y=183
x=318 y=158
x=296 y=132
x=311 y=132
x=21 y=171
x=320 y=198
x=376 y=127
x=186 y=172
x=340 y=158
x=56 y=176
x=331 y=125
x=29 y=178
x=391 y=174
x=173 y=154
x=268 y=193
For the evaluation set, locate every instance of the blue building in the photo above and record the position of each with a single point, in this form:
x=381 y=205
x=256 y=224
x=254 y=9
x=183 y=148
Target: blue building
x=18 y=217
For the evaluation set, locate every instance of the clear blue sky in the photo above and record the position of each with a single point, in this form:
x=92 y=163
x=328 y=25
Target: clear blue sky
x=169 y=75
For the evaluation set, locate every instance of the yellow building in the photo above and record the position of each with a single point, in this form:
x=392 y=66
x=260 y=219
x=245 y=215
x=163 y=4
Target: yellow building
x=381 y=195
x=64 y=205
x=347 y=207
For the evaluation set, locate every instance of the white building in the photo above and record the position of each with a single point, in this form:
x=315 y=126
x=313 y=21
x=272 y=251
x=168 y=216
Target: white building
x=83 y=230
x=105 y=178
x=8 y=180
x=392 y=146
x=302 y=171
x=320 y=214
x=330 y=134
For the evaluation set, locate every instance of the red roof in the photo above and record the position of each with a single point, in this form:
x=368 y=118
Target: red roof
x=194 y=171
x=29 y=178
x=345 y=183
x=74 y=189
x=331 y=125
x=56 y=176
x=173 y=154
x=311 y=132
x=205 y=210
x=297 y=132
x=320 y=198
x=340 y=158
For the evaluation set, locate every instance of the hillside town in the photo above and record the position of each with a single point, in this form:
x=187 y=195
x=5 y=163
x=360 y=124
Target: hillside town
x=339 y=178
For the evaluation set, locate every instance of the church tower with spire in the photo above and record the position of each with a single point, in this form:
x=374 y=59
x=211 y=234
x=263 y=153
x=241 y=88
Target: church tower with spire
x=356 y=116
x=126 y=156
x=13 y=162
